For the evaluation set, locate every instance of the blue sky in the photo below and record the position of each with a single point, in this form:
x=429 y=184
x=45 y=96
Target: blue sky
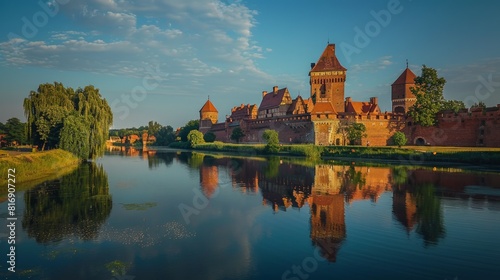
x=160 y=59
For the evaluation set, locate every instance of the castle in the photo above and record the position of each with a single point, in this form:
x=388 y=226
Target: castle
x=323 y=117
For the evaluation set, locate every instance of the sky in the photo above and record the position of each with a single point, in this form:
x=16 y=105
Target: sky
x=161 y=59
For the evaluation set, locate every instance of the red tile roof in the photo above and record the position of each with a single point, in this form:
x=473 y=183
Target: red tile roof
x=362 y=108
x=273 y=99
x=407 y=77
x=322 y=107
x=208 y=107
x=328 y=61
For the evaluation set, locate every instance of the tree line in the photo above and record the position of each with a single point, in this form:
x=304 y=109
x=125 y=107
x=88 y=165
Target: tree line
x=74 y=120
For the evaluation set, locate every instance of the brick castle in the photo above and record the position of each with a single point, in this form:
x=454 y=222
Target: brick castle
x=322 y=117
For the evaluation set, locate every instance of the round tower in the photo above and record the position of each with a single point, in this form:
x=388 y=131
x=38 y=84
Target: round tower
x=209 y=112
x=402 y=97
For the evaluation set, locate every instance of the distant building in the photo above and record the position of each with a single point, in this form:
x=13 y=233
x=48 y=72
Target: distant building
x=322 y=117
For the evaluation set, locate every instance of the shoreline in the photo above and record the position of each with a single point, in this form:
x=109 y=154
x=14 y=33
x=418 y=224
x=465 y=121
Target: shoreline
x=470 y=158
x=34 y=168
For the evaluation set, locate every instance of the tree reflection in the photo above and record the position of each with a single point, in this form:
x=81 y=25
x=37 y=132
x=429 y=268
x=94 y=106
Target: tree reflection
x=352 y=180
x=76 y=204
x=415 y=202
x=272 y=168
x=429 y=214
x=154 y=160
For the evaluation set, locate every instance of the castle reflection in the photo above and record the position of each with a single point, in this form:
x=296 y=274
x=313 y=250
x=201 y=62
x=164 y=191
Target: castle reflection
x=326 y=189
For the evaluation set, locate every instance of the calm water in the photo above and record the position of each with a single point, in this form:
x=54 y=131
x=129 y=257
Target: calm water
x=173 y=215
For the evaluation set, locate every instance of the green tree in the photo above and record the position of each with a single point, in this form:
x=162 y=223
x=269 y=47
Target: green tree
x=195 y=137
x=356 y=132
x=48 y=107
x=153 y=128
x=75 y=135
x=453 y=105
x=97 y=114
x=399 y=139
x=429 y=93
x=165 y=136
x=237 y=134
x=272 y=139
x=209 y=137
x=2 y=128
x=16 y=131
x=184 y=131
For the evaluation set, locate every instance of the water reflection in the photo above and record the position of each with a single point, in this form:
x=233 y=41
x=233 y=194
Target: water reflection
x=325 y=188
x=76 y=204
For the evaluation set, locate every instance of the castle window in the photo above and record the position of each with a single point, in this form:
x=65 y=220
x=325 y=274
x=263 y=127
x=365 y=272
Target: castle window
x=409 y=123
x=481 y=142
x=318 y=115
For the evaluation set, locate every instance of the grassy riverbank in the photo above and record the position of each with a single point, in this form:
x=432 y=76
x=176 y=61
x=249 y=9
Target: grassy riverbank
x=33 y=168
x=408 y=154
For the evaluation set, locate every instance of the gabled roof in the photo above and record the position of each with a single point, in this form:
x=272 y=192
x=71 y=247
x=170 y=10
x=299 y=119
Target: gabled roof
x=208 y=107
x=297 y=106
x=407 y=77
x=322 y=107
x=309 y=104
x=328 y=61
x=362 y=108
x=273 y=99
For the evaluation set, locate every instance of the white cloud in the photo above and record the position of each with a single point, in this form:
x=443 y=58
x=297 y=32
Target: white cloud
x=372 y=65
x=198 y=39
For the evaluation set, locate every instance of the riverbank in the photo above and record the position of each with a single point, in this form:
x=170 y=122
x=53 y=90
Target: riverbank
x=32 y=168
x=410 y=155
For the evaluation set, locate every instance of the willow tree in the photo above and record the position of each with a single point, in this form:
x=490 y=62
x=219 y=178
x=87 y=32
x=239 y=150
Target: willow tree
x=45 y=110
x=97 y=114
x=75 y=121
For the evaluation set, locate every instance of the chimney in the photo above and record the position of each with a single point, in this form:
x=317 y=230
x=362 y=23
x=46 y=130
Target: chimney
x=348 y=100
x=374 y=100
x=275 y=89
x=264 y=93
x=312 y=65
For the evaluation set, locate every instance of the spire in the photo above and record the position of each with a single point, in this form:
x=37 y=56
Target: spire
x=407 y=63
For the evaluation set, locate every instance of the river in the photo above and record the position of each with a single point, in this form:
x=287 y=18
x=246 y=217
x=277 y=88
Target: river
x=181 y=215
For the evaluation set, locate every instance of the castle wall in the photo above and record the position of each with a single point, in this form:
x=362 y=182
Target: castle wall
x=463 y=130
x=380 y=128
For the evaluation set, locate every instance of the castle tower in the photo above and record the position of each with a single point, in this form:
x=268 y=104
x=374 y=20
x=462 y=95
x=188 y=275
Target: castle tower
x=209 y=112
x=327 y=79
x=402 y=97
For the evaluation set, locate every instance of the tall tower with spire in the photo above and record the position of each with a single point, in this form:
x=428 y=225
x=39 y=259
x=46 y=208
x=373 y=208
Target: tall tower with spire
x=327 y=79
x=208 y=116
x=402 y=97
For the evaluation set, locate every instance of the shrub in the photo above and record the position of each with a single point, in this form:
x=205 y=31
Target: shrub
x=399 y=139
x=209 y=137
x=194 y=138
x=271 y=137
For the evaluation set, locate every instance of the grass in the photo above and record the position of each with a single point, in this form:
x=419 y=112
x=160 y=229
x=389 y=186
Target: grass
x=408 y=154
x=32 y=168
